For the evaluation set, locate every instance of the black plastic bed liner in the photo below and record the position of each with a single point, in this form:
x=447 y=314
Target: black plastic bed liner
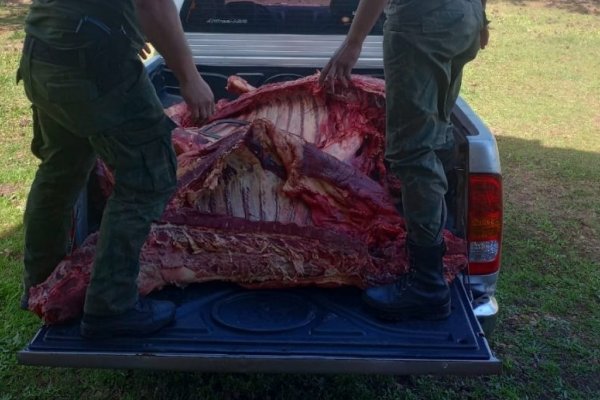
x=224 y=328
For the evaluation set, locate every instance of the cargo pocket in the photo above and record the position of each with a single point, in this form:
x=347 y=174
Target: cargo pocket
x=161 y=164
x=145 y=168
x=73 y=91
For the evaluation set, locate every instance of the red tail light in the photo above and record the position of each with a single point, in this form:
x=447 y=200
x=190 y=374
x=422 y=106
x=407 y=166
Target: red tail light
x=484 y=223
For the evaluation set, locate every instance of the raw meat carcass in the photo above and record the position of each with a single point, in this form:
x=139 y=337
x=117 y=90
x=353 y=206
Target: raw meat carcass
x=264 y=207
x=349 y=125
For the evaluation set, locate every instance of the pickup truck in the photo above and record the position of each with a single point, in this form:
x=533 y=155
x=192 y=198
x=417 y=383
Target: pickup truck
x=225 y=328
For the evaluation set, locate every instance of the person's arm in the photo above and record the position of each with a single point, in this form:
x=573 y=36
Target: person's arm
x=160 y=22
x=484 y=34
x=343 y=60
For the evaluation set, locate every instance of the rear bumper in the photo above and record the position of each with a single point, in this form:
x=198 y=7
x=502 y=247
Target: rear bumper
x=486 y=310
x=482 y=290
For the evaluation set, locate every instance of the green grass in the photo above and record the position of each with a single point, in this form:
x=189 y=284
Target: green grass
x=537 y=85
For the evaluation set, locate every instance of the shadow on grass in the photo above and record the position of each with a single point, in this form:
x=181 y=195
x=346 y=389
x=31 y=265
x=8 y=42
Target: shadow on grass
x=12 y=15
x=560 y=184
x=591 y=7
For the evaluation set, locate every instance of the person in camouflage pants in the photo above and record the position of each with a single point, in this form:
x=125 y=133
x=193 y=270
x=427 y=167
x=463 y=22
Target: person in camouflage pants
x=91 y=97
x=425 y=47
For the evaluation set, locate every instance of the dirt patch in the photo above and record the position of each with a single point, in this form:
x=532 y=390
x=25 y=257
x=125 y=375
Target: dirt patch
x=8 y=189
x=12 y=15
x=580 y=6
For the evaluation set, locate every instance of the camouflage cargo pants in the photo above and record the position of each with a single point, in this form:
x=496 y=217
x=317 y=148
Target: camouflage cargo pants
x=424 y=56
x=81 y=112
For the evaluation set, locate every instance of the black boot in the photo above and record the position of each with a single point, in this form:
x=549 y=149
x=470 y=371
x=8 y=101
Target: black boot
x=146 y=317
x=423 y=293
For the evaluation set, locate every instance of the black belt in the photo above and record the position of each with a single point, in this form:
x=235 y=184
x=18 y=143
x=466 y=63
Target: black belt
x=43 y=52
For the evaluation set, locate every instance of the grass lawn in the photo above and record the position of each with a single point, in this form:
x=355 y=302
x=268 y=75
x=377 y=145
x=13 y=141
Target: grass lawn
x=537 y=85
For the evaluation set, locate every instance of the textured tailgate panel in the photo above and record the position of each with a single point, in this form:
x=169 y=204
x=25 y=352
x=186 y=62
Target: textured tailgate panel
x=257 y=330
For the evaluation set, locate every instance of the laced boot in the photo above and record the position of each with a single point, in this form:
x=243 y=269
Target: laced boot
x=422 y=293
x=146 y=317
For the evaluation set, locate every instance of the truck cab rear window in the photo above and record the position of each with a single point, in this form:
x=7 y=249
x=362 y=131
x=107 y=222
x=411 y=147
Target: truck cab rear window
x=319 y=17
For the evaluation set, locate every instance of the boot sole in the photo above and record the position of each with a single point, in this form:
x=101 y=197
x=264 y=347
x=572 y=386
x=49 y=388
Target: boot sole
x=422 y=313
x=91 y=332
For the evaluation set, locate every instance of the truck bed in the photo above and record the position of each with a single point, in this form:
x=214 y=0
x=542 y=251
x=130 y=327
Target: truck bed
x=225 y=328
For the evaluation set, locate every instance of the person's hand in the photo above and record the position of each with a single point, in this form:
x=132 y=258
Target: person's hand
x=199 y=98
x=340 y=65
x=484 y=37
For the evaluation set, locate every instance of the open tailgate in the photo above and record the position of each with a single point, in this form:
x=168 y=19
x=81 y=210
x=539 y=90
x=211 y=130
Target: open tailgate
x=224 y=328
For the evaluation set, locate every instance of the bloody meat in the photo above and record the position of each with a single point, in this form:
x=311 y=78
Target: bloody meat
x=268 y=200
